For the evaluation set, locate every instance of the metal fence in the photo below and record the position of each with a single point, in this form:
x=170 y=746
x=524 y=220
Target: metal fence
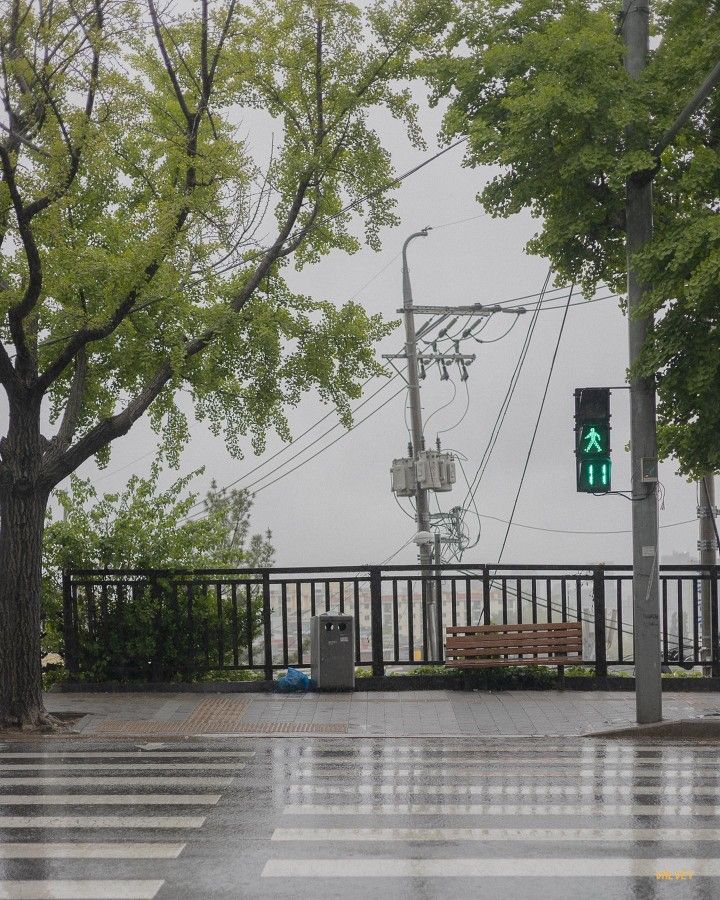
x=199 y=620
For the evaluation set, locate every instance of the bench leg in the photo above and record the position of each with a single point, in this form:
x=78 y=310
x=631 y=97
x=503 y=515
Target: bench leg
x=561 y=676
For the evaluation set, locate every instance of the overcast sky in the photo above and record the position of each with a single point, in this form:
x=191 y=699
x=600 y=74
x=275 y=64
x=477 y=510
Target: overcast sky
x=338 y=509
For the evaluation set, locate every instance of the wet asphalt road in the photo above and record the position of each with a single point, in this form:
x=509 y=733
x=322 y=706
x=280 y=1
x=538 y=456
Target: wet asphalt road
x=360 y=818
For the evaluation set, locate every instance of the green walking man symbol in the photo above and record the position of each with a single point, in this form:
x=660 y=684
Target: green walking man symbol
x=593 y=441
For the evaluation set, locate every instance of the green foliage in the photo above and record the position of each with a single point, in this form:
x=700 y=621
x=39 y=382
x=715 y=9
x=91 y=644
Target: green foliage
x=540 y=89
x=579 y=672
x=511 y=677
x=143 y=527
x=363 y=672
x=429 y=670
x=144 y=235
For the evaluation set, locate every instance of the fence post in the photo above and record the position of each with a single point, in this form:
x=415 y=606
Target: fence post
x=70 y=650
x=600 y=635
x=376 y=624
x=267 y=626
x=486 y=595
x=715 y=664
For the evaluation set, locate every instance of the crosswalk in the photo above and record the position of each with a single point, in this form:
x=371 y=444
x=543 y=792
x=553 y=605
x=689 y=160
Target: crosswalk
x=359 y=819
x=71 y=819
x=436 y=819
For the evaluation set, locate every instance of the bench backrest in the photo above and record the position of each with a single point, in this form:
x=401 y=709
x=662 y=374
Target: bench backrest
x=543 y=639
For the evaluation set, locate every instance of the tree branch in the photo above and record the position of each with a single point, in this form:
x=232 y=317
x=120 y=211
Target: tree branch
x=320 y=133
x=106 y=431
x=84 y=336
x=73 y=407
x=32 y=255
x=169 y=68
x=8 y=378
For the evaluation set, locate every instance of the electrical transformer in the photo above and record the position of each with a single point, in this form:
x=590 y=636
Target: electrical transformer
x=436 y=470
x=402 y=476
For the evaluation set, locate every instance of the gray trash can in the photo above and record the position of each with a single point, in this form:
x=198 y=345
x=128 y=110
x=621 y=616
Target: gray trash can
x=332 y=648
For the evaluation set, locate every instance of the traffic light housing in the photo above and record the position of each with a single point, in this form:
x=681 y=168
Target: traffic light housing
x=592 y=440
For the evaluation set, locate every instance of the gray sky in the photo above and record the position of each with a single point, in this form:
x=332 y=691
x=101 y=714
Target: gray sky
x=338 y=509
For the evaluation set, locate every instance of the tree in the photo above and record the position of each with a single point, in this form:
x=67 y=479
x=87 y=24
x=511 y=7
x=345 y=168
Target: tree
x=143 y=527
x=541 y=92
x=136 y=258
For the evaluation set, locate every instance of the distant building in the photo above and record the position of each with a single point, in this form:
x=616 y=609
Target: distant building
x=679 y=558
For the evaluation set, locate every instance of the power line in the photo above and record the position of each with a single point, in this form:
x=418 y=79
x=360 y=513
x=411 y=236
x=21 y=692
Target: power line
x=310 y=458
x=327 y=447
x=576 y=303
x=504 y=406
x=572 y=530
x=300 y=452
x=537 y=423
x=462 y=417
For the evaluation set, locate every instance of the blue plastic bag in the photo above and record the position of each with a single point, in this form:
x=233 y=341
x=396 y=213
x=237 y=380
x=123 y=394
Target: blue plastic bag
x=294 y=682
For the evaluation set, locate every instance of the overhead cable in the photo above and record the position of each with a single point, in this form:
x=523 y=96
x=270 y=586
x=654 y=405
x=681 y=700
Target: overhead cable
x=537 y=424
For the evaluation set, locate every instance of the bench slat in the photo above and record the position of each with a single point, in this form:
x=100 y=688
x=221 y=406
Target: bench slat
x=488 y=646
x=527 y=651
x=525 y=626
x=515 y=640
x=490 y=663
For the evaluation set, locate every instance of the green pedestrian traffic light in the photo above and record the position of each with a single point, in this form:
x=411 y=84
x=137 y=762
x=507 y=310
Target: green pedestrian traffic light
x=592 y=440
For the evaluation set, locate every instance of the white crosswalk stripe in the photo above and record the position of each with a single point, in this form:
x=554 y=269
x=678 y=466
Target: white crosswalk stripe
x=101 y=822
x=133 y=754
x=26 y=779
x=123 y=780
x=508 y=790
x=113 y=850
x=596 y=811
x=514 y=748
x=589 y=835
x=503 y=809
x=464 y=867
x=122 y=767
x=109 y=799
x=480 y=772
x=138 y=889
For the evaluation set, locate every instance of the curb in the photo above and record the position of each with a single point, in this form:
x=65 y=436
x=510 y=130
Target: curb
x=680 y=729
x=393 y=683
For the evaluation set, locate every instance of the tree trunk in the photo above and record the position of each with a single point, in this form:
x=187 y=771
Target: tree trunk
x=22 y=517
x=23 y=500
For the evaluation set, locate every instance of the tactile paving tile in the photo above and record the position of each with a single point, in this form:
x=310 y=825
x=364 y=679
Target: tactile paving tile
x=221 y=716
x=293 y=728
x=213 y=716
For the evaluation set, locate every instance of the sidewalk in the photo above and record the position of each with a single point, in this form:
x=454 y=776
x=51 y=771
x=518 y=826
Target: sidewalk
x=381 y=714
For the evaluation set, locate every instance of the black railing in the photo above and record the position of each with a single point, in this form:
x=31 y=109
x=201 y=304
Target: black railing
x=170 y=623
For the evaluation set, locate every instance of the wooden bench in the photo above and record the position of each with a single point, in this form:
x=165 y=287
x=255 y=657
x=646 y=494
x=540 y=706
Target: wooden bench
x=487 y=646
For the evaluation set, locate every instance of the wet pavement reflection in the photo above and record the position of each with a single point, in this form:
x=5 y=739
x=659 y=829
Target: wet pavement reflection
x=359 y=818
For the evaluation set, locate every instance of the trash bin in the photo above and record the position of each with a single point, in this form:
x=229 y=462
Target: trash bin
x=332 y=648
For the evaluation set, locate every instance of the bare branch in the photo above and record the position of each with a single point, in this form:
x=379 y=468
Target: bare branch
x=73 y=407
x=221 y=40
x=320 y=134
x=7 y=374
x=32 y=255
x=169 y=68
x=115 y=426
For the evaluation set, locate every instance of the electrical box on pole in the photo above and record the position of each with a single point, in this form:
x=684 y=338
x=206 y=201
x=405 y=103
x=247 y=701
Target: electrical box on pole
x=436 y=470
x=402 y=477
x=592 y=440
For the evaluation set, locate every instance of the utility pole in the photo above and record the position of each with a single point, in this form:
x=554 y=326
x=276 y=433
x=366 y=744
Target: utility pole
x=708 y=555
x=422 y=509
x=643 y=438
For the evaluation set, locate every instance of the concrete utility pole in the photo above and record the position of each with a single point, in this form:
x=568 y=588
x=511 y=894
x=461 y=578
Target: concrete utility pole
x=422 y=509
x=708 y=555
x=643 y=438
